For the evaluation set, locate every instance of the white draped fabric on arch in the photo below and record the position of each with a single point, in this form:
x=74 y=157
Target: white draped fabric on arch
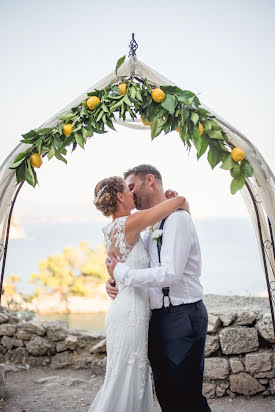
x=258 y=192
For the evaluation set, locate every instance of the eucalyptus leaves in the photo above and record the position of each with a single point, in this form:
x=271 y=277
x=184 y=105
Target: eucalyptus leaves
x=180 y=110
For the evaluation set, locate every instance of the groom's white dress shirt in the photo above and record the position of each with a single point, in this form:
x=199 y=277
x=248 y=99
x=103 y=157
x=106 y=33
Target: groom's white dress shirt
x=180 y=268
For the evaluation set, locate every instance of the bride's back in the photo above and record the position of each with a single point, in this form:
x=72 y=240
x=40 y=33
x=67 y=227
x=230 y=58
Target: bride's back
x=115 y=241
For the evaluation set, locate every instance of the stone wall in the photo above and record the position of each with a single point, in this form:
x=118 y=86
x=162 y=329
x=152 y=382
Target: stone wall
x=48 y=343
x=239 y=356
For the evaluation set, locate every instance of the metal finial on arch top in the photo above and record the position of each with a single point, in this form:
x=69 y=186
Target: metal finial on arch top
x=133 y=46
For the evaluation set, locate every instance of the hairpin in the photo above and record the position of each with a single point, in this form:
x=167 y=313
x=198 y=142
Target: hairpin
x=99 y=193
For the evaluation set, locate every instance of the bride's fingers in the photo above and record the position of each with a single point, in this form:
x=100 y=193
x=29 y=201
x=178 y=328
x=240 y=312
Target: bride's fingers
x=171 y=193
x=112 y=296
x=112 y=293
x=110 y=288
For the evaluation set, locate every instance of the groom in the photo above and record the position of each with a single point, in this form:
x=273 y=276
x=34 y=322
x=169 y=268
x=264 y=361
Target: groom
x=178 y=325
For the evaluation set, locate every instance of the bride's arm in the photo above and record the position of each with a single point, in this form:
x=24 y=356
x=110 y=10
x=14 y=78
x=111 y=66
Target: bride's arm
x=139 y=221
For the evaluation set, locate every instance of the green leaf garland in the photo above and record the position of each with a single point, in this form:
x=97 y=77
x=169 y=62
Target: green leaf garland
x=180 y=110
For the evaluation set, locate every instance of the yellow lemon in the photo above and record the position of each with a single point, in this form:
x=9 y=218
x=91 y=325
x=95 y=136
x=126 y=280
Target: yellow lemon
x=67 y=129
x=178 y=129
x=158 y=95
x=146 y=124
x=92 y=102
x=122 y=88
x=201 y=128
x=36 y=160
x=237 y=154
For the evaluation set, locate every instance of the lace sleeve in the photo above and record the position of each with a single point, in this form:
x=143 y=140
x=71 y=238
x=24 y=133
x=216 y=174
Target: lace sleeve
x=115 y=239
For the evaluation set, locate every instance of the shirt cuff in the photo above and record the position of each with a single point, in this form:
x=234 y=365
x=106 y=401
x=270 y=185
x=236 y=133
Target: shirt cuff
x=120 y=271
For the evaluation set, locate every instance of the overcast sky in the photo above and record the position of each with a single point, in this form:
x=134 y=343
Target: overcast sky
x=53 y=51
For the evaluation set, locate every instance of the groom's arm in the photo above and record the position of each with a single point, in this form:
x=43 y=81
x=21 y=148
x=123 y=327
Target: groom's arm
x=177 y=241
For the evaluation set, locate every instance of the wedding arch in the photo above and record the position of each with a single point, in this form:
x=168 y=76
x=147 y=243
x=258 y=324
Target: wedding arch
x=207 y=131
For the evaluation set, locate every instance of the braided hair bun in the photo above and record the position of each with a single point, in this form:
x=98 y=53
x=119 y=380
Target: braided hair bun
x=106 y=194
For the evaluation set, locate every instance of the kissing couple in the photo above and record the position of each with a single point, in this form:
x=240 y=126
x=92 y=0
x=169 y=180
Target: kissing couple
x=157 y=309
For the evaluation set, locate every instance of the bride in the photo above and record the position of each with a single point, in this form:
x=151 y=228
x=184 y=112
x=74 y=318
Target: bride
x=127 y=385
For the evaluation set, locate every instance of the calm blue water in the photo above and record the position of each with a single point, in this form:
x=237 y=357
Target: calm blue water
x=231 y=261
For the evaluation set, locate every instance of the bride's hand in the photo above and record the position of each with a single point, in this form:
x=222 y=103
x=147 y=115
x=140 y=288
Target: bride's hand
x=171 y=193
x=185 y=204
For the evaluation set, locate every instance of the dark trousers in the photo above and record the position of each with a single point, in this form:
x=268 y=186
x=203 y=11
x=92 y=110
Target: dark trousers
x=176 y=351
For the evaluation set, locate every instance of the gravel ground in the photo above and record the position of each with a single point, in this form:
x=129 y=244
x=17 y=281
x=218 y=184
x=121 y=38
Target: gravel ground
x=47 y=390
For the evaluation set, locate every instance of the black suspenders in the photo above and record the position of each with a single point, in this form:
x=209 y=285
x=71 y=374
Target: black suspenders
x=165 y=290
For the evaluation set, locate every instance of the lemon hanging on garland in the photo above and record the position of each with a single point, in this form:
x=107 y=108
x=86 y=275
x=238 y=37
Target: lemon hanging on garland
x=122 y=88
x=92 y=102
x=201 y=128
x=158 y=95
x=237 y=154
x=36 y=160
x=145 y=123
x=67 y=129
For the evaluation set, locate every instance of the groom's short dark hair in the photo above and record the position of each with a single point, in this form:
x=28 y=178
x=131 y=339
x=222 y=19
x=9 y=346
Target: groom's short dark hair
x=142 y=171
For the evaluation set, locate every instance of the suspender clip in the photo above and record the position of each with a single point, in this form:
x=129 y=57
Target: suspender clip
x=165 y=291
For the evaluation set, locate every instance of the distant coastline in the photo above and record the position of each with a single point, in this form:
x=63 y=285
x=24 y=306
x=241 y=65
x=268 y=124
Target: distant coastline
x=16 y=229
x=231 y=262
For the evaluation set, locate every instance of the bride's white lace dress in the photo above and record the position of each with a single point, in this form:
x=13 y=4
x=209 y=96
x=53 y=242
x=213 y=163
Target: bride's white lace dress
x=127 y=386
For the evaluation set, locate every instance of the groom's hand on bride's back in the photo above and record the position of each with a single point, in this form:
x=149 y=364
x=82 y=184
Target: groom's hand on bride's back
x=111 y=289
x=111 y=262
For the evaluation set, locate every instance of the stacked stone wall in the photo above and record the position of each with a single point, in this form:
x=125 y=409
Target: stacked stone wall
x=239 y=354
x=48 y=344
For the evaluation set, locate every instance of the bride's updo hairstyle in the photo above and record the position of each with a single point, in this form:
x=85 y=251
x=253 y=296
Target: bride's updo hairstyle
x=106 y=194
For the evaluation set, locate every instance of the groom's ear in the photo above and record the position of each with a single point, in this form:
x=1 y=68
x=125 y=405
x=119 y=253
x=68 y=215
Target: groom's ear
x=150 y=179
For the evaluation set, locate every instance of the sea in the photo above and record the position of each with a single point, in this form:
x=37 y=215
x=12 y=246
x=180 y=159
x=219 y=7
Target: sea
x=231 y=263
